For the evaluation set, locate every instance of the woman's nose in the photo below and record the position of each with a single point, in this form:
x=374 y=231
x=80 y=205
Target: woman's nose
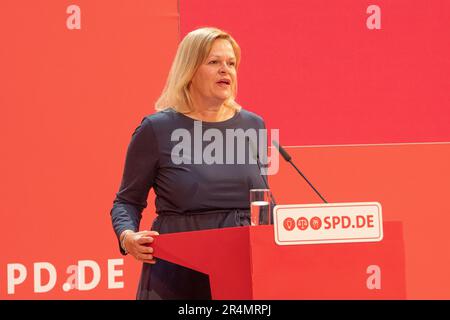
x=223 y=68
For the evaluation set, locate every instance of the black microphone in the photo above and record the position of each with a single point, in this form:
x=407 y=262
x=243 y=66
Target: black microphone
x=255 y=154
x=288 y=158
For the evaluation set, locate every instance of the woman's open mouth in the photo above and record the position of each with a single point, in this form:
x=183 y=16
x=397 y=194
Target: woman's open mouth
x=224 y=83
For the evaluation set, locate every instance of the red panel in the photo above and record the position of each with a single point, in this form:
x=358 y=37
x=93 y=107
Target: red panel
x=315 y=71
x=225 y=255
x=329 y=271
x=70 y=100
x=410 y=181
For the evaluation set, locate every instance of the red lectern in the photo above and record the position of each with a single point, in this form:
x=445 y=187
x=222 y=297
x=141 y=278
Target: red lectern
x=246 y=263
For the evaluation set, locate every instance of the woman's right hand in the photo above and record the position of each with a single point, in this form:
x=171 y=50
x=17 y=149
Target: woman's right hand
x=138 y=244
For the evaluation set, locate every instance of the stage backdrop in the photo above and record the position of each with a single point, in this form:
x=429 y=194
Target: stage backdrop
x=354 y=72
x=359 y=91
x=77 y=77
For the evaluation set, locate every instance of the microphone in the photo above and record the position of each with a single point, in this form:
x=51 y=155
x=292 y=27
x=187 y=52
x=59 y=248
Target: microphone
x=256 y=157
x=288 y=158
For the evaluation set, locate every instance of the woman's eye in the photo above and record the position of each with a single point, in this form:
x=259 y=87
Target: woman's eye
x=213 y=62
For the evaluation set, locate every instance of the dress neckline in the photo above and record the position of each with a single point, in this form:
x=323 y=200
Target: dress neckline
x=211 y=123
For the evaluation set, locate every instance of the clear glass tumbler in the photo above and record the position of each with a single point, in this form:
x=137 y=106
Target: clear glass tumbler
x=260 y=206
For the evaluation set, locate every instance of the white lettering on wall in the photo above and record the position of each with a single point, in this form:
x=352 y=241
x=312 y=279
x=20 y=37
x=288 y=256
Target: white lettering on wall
x=113 y=273
x=83 y=276
x=38 y=286
x=11 y=279
x=82 y=284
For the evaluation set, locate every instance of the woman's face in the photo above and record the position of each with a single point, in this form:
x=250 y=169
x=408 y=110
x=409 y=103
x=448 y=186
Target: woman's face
x=215 y=78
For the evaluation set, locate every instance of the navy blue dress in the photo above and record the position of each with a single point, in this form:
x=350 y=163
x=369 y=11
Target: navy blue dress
x=189 y=196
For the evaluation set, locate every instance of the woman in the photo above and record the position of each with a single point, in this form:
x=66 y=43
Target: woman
x=200 y=91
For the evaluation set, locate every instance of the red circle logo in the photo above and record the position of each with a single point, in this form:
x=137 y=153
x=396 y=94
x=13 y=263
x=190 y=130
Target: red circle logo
x=315 y=223
x=289 y=224
x=302 y=223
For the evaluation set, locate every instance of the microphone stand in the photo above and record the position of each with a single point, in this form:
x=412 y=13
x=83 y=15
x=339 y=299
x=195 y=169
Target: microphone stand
x=288 y=158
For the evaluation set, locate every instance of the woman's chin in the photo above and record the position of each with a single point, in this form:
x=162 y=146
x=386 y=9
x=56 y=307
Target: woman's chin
x=223 y=96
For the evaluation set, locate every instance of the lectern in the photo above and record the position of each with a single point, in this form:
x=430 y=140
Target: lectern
x=246 y=263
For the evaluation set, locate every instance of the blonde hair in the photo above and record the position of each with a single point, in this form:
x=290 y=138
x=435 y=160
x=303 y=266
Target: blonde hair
x=191 y=53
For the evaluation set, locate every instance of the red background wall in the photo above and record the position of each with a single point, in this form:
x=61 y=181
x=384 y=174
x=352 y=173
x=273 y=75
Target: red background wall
x=315 y=71
x=328 y=79
x=70 y=100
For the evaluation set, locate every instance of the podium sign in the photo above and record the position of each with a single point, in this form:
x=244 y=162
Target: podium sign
x=328 y=223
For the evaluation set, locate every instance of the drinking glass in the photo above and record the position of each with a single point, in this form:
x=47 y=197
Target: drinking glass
x=260 y=206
